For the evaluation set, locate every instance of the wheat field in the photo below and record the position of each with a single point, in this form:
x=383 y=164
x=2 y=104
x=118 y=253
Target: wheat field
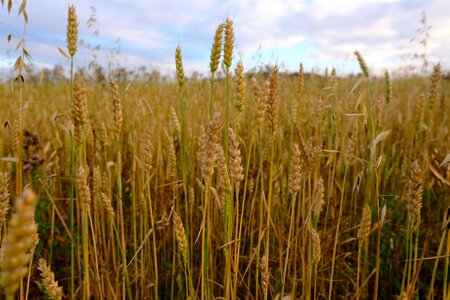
x=236 y=185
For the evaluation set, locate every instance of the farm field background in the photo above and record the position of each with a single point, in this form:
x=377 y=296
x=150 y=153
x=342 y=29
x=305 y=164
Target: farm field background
x=234 y=183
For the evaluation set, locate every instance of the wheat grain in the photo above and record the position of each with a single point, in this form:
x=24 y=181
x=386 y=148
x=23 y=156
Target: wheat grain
x=19 y=241
x=54 y=291
x=147 y=151
x=228 y=44
x=72 y=31
x=272 y=100
x=117 y=107
x=362 y=64
x=414 y=193
x=236 y=169
x=366 y=221
x=295 y=174
x=434 y=88
x=84 y=194
x=216 y=49
x=4 y=197
x=241 y=85
x=179 y=66
x=79 y=108
x=181 y=236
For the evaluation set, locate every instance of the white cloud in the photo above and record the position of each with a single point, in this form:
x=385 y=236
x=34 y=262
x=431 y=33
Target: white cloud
x=313 y=31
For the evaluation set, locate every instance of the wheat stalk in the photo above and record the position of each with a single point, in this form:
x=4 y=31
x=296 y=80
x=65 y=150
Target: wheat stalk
x=19 y=240
x=72 y=31
x=54 y=291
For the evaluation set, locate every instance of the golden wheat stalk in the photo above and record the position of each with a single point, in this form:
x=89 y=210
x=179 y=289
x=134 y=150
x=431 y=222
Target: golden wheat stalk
x=180 y=235
x=362 y=64
x=414 y=194
x=366 y=221
x=54 y=291
x=19 y=240
x=79 y=108
x=272 y=100
x=72 y=31
x=241 y=85
x=4 y=196
x=216 y=49
x=236 y=169
x=209 y=147
x=228 y=44
x=117 y=107
x=179 y=66
x=147 y=151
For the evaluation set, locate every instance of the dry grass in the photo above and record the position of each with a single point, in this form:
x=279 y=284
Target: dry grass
x=300 y=186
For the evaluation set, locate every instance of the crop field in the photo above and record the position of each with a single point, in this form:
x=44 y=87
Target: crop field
x=240 y=184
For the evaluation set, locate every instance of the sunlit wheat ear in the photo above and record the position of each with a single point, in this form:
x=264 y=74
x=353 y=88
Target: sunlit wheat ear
x=414 y=193
x=172 y=161
x=366 y=221
x=179 y=66
x=272 y=100
x=117 y=107
x=79 y=108
x=4 y=196
x=54 y=291
x=362 y=64
x=180 y=235
x=295 y=171
x=84 y=194
x=191 y=196
x=236 y=169
x=108 y=206
x=175 y=121
x=35 y=243
x=241 y=84
x=72 y=31
x=216 y=49
x=310 y=155
x=19 y=240
x=228 y=44
x=261 y=101
x=201 y=144
x=223 y=180
x=147 y=151
x=211 y=146
x=434 y=88
x=104 y=135
x=317 y=252
x=388 y=88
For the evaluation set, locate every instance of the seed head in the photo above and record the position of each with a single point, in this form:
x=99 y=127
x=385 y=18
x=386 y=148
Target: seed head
x=366 y=221
x=216 y=49
x=54 y=291
x=362 y=64
x=179 y=65
x=414 y=193
x=228 y=44
x=72 y=31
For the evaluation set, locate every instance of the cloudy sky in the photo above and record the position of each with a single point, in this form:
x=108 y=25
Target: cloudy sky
x=318 y=33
